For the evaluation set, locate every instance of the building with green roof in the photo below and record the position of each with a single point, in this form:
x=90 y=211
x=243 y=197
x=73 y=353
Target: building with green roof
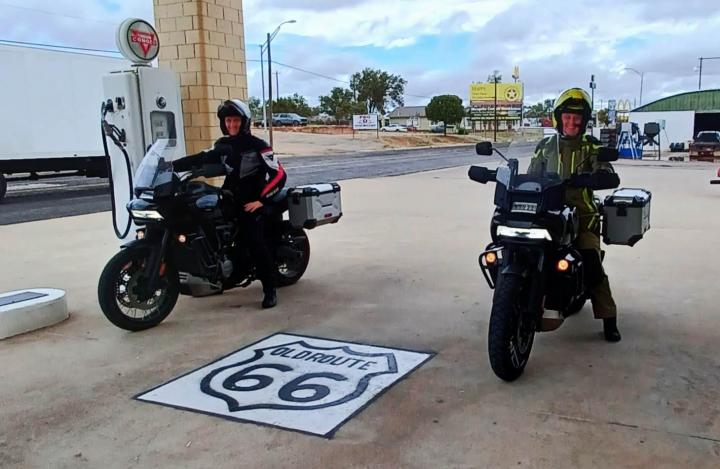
x=682 y=115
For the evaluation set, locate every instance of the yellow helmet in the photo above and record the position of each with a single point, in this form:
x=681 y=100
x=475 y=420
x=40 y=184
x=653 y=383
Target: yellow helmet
x=574 y=100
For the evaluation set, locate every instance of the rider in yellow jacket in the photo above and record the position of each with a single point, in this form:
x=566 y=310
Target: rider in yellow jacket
x=573 y=155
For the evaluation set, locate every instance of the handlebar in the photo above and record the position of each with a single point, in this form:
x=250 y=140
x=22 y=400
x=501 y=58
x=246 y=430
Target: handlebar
x=482 y=174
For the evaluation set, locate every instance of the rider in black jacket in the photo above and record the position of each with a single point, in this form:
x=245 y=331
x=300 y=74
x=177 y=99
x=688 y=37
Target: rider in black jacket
x=253 y=176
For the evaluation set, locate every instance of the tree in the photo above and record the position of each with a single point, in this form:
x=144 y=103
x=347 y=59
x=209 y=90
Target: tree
x=255 y=108
x=446 y=108
x=549 y=104
x=341 y=104
x=535 y=111
x=377 y=88
x=295 y=103
x=602 y=117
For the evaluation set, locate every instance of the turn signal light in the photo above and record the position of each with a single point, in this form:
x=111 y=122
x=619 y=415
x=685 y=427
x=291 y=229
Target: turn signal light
x=563 y=265
x=490 y=258
x=182 y=238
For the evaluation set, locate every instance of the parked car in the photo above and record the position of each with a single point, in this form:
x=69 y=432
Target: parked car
x=705 y=147
x=440 y=128
x=394 y=128
x=288 y=118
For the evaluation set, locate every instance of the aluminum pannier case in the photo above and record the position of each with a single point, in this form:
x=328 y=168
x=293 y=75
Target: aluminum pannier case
x=314 y=205
x=626 y=216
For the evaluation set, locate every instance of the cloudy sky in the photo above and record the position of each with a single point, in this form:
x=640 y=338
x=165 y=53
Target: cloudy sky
x=437 y=46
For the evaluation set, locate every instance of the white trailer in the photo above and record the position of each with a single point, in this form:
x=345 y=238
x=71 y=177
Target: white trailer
x=50 y=113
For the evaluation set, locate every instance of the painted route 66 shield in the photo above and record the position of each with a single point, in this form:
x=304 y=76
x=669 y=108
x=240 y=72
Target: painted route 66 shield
x=301 y=383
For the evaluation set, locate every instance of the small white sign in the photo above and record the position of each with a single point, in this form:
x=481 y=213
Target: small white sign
x=365 y=121
x=300 y=383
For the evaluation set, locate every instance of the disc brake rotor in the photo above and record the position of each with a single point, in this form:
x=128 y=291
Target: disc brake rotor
x=129 y=281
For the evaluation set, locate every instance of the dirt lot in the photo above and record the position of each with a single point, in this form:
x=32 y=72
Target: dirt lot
x=326 y=140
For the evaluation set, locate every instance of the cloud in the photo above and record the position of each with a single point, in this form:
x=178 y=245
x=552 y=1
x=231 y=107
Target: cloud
x=89 y=24
x=372 y=22
x=438 y=47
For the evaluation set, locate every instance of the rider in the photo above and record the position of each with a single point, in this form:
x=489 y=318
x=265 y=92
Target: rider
x=573 y=155
x=254 y=176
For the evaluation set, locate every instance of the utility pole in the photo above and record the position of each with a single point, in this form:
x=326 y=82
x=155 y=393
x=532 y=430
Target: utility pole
x=495 y=116
x=700 y=75
x=277 y=84
x=270 y=37
x=262 y=82
x=495 y=109
x=270 y=91
x=700 y=69
x=593 y=85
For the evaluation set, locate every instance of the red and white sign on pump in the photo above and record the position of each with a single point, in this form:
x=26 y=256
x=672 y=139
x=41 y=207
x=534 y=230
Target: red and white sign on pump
x=137 y=41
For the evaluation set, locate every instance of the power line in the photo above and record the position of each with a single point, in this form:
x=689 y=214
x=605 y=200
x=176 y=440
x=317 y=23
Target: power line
x=56 y=46
x=327 y=77
x=54 y=13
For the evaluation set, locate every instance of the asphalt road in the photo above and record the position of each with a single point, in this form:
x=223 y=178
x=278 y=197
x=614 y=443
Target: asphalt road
x=70 y=196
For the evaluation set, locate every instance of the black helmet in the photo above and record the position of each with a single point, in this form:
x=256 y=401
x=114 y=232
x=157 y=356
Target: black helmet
x=234 y=107
x=574 y=100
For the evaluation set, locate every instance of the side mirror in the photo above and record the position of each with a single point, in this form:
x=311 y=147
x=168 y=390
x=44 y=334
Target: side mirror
x=606 y=155
x=481 y=174
x=484 y=148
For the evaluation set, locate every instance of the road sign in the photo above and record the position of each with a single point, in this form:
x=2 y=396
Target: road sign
x=365 y=121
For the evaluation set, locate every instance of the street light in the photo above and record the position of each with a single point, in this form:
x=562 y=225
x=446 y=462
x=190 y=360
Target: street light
x=266 y=45
x=642 y=75
x=700 y=69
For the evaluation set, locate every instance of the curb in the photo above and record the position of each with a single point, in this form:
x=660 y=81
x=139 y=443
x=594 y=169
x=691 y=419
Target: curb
x=30 y=309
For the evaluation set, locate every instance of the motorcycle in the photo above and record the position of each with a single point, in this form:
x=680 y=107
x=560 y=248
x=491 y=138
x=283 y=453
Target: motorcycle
x=187 y=243
x=536 y=272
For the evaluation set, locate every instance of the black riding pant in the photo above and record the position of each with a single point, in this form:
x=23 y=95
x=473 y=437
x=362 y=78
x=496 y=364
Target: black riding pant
x=253 y=231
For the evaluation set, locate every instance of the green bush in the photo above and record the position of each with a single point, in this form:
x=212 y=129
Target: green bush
x=463 y=131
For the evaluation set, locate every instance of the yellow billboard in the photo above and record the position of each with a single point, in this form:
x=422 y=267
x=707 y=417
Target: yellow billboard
x=484 y=93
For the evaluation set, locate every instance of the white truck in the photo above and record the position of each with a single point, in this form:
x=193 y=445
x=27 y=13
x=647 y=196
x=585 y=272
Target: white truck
x=50 y=111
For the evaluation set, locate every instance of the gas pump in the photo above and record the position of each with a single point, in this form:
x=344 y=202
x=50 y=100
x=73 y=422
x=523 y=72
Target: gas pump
x=140 y=106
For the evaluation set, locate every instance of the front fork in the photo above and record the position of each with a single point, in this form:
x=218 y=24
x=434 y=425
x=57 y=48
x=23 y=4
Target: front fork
x=524 y=262
x=157 y=253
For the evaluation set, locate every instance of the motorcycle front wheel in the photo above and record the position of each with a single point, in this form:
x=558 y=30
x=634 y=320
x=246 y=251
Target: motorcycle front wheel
x=510 y=337
x=123 y=295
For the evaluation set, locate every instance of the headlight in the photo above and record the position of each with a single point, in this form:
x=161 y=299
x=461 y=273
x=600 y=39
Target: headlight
x=524 y=233
x=147 y=214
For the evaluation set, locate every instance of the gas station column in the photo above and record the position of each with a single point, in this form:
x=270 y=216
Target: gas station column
x=203 y=42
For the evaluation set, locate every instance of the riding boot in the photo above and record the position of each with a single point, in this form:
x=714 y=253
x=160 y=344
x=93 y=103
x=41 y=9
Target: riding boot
x=610 y=330
x=270 y=298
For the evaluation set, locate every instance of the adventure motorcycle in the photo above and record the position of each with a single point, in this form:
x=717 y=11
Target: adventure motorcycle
x=187 y=244
x=537 y=273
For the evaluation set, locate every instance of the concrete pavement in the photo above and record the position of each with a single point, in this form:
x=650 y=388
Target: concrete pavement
x=400 y=269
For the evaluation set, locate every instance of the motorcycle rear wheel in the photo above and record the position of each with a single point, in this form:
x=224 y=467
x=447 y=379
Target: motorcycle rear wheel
x=509 y=339
x=120 y=291
x=291 y=268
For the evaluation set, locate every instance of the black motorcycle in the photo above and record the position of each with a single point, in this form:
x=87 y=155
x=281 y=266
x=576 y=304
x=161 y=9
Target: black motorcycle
x=537 y=274
x=187 y=243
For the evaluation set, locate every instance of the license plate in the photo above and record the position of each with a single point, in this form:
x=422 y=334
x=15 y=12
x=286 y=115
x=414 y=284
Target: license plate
x=524 y=207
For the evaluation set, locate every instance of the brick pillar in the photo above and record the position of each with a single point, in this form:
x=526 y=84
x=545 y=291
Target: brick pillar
x=203 y=42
